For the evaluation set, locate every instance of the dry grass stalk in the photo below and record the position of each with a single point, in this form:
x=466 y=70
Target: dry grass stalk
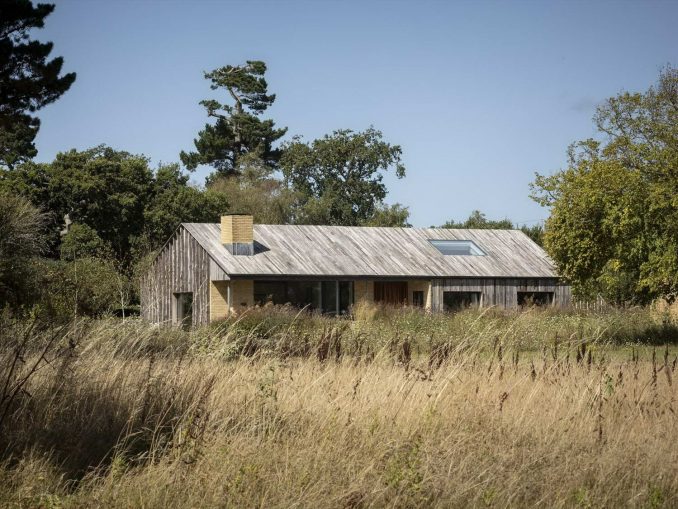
x=184 y=428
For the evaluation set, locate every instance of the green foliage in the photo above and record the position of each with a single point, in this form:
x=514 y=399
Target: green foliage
x=28 y=80
x=258 y=192
x=340 y=176
x=535 y=232
x=101 y=188
x=88 y=286
x=20 y=241
x=395 y=215
x=613 y=228
x=478 y=220
x=237 y=130
x=120 y=210
x=116 y=195
x=81 y=241
x=173 y=201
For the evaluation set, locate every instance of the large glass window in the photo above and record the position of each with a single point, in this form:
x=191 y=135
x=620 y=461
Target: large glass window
x=457 y=247
x=270 y=291
x=527 y=299
x=455 y=301
x=324 y=296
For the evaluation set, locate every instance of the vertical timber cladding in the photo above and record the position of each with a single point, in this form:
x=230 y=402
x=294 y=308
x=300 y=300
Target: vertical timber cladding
x=500 y=292
x=181 y=266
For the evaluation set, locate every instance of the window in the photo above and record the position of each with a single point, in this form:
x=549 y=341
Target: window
x=322 y=296
x=528 y=299
x=418 y=298
x=455 y=301
x=183 y=310
x=270 y=291
x=457 y=247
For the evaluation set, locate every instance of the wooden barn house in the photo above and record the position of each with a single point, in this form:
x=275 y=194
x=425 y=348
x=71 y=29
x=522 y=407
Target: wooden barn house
x=207 y=271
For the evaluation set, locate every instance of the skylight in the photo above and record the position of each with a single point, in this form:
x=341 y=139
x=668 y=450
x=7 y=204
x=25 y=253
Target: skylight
x=457 y=247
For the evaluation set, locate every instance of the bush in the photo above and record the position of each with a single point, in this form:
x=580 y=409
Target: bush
x=84 y=287
x=21 y=240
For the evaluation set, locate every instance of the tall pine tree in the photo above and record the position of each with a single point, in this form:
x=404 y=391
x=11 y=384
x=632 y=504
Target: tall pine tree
x=237 y=129
x=28 y=80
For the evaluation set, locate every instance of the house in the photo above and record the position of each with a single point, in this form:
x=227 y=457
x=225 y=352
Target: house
x=207 y=271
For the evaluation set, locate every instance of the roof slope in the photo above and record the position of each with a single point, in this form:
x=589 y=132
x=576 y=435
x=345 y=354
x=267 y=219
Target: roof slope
x=286 y=250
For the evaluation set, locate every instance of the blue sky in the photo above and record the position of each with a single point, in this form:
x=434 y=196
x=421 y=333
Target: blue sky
x=480 y=95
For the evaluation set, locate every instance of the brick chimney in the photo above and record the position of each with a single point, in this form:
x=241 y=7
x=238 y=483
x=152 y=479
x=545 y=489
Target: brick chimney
x=237 y=234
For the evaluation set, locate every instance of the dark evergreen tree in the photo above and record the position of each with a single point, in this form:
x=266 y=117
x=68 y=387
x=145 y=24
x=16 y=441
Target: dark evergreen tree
x=28 y=80
x=237 y=129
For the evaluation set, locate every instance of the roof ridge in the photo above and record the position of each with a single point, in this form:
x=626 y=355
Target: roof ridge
x=407 y=228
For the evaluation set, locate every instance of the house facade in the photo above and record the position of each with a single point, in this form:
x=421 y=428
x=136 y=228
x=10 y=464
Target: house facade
x=206 y=272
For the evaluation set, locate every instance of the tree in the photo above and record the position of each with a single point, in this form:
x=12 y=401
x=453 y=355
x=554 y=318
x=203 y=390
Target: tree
x=237 y=129
x=173 y=200
x=116 y=195
x=81 y=241
x=104 y=189
x=390 y=215
x=613 y=228
x=478 y=220
x=87 y=286
x=20 y=242
x=258 y=192
x=340 y=176
x=28 y=80
x=535 y=232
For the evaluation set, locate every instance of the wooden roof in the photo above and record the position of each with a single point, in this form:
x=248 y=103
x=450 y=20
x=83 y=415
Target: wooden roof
x=340 y=251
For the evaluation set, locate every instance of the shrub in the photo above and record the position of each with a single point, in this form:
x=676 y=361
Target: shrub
x=21 y=240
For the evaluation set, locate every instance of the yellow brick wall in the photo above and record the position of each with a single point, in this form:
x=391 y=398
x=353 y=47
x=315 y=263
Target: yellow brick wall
x=237 y=229
x=242 y=294
x=422 y=286
x=363 y=291
x=218 y=300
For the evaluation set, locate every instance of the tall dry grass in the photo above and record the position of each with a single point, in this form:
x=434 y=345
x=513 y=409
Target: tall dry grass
x=126 y=415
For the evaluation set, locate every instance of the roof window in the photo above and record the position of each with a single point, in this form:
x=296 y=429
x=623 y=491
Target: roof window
x=457 y=247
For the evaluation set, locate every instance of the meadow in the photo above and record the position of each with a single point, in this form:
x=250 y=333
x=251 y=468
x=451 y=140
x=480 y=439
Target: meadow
x=394 y=408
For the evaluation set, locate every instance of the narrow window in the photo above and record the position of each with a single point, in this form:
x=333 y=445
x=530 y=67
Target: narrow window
x=183 y=310
x=418 y=298
x=345 y=296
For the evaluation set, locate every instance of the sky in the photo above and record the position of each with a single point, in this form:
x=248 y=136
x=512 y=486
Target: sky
x=479 y=95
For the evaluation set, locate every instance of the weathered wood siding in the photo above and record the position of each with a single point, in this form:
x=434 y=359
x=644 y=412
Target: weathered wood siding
x=182 y=266
x=499 y=292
